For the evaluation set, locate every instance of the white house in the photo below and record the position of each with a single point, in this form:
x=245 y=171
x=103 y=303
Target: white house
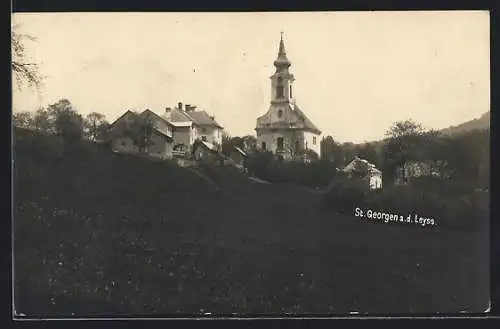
x=364 y=170
x=174 y=132
x=191 y=124
x=284 y=129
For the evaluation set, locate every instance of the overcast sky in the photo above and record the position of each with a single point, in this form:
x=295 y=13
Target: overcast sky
x=356 y=72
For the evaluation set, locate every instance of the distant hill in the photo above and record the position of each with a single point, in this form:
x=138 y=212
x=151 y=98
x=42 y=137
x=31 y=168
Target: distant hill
x=483 y=122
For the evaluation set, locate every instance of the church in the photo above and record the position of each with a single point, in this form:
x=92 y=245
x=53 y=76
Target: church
x=284 y=129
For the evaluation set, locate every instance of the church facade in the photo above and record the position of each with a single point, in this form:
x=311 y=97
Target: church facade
x=284 y=129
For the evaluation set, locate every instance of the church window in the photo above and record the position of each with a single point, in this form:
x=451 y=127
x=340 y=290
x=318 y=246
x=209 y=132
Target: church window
x=264 y=146
x=291 y=95
x=280 y=143
x=280 y=113
x=280 y=91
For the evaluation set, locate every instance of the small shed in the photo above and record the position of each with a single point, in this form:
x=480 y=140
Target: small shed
x=206 y=152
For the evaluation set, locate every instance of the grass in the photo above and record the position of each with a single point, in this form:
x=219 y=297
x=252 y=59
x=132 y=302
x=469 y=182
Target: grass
x=109 y=234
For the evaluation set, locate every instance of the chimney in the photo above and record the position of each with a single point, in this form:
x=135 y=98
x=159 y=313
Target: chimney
x=168 y=112
x=188 y=107
x=179 y=105
x=212 y=117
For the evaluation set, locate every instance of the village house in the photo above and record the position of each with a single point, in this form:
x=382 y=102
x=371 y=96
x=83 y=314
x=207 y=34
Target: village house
x=284 y=129
x=174 y=133
x=161 y=140
x=206 y=152
x=190 y=125
x=415 y=169
x=364 y=170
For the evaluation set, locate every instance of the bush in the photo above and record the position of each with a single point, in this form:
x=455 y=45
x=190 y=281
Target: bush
x=448 y=203
x=344 y=195
x=262 y=165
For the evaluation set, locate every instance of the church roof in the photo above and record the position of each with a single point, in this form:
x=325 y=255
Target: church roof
x=296 y=120
x=308 y=124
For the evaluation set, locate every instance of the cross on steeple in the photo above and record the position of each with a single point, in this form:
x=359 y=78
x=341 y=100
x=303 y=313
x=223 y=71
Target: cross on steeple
x=282 y=60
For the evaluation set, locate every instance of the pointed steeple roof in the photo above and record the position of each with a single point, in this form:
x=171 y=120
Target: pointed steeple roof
x=282 y=59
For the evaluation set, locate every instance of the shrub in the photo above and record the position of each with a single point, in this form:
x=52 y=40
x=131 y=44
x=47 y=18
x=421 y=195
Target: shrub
x=449 y=204
x=345 y=194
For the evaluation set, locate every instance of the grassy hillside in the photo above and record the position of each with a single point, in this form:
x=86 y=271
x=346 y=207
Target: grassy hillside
x=102 y=233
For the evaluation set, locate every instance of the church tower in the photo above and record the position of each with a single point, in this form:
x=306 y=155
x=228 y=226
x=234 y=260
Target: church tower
x=282 y=80
x=284 y=129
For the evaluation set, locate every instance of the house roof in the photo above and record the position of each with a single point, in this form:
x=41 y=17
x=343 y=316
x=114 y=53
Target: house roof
x=203 y=118
x=207 y=145
x=240 y=151
x=130 y=113
x=358 y=164
x=178 y=115
x=148 y=113
x=199 y=117
x=181 y=123
x=145 y=114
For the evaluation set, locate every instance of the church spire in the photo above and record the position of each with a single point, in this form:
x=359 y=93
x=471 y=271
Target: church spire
x=282 y=60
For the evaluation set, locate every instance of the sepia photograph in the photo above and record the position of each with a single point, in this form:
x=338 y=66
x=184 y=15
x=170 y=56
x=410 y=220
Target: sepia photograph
x=250 y=164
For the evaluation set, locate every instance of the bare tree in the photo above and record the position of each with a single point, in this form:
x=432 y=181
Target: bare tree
x=26 y=73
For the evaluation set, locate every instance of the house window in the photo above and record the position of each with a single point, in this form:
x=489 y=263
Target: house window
x=314 y=140
x=204 y=130
x=280 y=91
x=264 y=146
x=280 y=143
x=280 y=113
x=204 y=138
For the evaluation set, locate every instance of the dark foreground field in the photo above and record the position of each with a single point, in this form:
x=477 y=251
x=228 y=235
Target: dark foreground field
x=106 y=234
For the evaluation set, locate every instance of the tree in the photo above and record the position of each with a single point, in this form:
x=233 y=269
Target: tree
x=348 y=152
x=226 y=144
x=95 y=125
x=403 y=140
x=327 y=146
x=25 y=72
x=42 y=122
x=140 y=131
x=368 y=151
x=66 y=121
x=23 y=119
x=250 y=143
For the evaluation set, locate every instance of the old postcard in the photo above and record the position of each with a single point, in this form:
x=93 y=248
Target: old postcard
x=250 y=164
